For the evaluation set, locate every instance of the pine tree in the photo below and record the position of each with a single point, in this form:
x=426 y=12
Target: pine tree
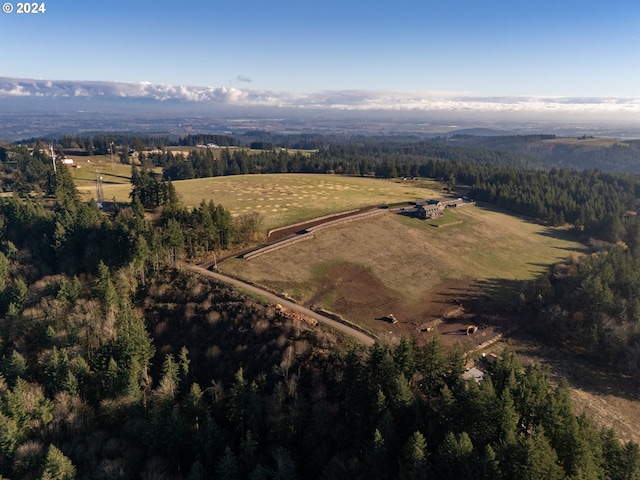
x=105 y=288
x=414 y=461
x=455 y=457
x=10 y=436
x=57 y=466
x=284 y=465
x=227 y=467
x=531 y=458
x=489 y=467
x=375 y=458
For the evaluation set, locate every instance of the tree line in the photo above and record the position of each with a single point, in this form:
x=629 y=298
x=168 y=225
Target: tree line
x=593 y=303
x=102 y=144
x=594 y=202
x=582 y=152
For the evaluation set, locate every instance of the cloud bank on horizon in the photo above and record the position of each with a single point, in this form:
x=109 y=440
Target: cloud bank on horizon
x=348 y=100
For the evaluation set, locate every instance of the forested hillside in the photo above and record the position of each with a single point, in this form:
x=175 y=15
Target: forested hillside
x=115 y=364
x=609 y=155
x=106 y=376
x=592 y=305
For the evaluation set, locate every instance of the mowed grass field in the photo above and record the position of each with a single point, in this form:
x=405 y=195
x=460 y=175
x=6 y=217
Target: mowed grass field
x=282 y=199
x=116 y=176
x=113 y=173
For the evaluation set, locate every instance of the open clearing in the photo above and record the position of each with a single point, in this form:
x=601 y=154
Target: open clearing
x=290 y=198
x=392 y=263
x=428 y=277
x=284 y=199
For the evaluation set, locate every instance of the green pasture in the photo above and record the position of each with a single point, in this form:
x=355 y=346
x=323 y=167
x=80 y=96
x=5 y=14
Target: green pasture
x=112 y=172
x=283 y=199
x=411 y=257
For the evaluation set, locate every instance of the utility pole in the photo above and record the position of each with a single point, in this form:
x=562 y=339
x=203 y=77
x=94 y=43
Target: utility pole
x=53 y=160
x=99 y=190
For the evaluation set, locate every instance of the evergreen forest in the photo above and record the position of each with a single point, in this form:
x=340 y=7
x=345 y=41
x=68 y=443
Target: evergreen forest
x=117 y=363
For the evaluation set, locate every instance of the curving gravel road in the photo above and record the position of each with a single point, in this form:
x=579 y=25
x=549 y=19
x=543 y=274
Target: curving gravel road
x=352 y=332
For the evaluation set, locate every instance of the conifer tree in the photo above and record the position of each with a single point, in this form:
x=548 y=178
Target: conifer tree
x=414 y=460
x=57 y=466
x=228 y=467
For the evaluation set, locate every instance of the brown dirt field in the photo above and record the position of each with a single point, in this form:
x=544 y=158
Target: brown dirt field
x=357 y=291
x=610 y=401
x=419 y=275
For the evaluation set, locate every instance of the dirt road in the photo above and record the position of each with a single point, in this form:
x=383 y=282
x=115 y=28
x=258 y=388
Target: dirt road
x=352 y=332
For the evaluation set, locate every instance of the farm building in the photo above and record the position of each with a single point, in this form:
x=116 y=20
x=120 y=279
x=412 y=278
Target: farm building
x=473 y=373
x=428 y=211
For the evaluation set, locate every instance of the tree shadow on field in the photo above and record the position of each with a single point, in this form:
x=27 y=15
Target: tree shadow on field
x=563 y=235
x=542 y=265
x=491 y=294
x=498 y=293
x=582 y=370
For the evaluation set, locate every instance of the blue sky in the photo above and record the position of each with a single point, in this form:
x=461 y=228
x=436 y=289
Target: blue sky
x=587 y=48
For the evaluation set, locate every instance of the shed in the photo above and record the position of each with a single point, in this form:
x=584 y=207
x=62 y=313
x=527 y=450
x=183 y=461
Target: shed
x=474 y=373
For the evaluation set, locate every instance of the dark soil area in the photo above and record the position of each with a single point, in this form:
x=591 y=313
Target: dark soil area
x=447 y=311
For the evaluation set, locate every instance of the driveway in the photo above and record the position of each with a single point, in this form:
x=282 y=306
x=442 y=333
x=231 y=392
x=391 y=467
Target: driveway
x=358 y=335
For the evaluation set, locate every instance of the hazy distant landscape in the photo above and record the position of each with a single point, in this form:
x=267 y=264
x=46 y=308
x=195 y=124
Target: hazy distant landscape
x=32 y=108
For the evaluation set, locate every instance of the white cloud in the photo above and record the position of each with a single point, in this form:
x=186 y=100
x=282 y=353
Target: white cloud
x=349 y=100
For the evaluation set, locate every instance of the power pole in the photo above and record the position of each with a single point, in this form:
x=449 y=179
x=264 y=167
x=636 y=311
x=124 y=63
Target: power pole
x=53 y=160
x=99 y=190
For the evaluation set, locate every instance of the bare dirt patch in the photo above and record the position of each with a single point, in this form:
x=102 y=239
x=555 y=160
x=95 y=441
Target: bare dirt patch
x=352 y=288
